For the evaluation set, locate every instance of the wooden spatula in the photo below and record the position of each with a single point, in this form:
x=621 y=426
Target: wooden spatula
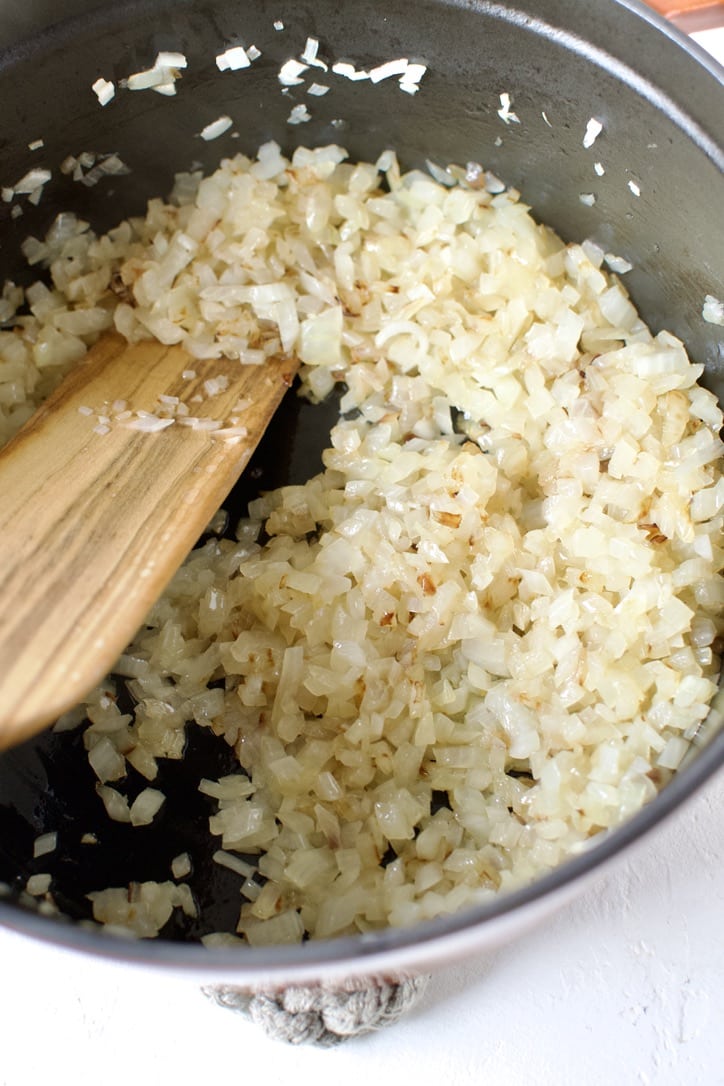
x=96 y=517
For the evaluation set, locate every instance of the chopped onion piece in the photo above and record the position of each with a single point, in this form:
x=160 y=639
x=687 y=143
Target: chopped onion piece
x=161 y=77
x=344 y=68
x=107 y=763
x=216 y=128
x=115 y=804
x=493 y=183
x=414 y=72
x=146 y=80
x=299 y=115
x=37 y=885
x=593 y=131
x=32 y=180
x=442 y=176
x=47 y=842
x=505 y=112
x=290 y=72
x=389 y=69
x=224 y=938
x=713 y=310
x=233 y=863
x=146 y=806
x=149 y=424
x=618 y=264
x=104 y=90
x=214 y=385
x=310 y=57
x=233 y=59
x=171 y=60
x=181 y=865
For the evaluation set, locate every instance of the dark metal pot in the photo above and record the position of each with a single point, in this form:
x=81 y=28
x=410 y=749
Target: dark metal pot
x=661 y=102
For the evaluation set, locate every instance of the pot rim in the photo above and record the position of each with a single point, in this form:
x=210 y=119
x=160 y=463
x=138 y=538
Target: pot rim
x=430 y=940
x=674 y=31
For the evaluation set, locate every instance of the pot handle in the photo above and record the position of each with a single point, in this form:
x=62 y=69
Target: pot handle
x=691 y=14
x=323 y=1014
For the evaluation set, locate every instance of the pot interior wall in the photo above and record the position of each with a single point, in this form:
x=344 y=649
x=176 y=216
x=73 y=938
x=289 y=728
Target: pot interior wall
x=560 y=61
x=551 y=56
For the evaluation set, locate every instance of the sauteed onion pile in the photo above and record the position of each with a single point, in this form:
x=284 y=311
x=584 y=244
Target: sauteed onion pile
x=488 y=630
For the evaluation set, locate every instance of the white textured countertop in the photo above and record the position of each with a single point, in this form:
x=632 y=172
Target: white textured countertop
x=624 y=986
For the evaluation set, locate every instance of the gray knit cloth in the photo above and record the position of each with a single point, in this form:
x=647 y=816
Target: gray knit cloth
x=323 y=1014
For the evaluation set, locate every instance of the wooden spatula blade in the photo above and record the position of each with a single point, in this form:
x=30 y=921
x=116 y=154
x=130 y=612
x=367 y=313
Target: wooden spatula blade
x=94 y=524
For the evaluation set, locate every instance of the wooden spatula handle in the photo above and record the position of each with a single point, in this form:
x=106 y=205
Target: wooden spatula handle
x=710 y=12
x=93 y=526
